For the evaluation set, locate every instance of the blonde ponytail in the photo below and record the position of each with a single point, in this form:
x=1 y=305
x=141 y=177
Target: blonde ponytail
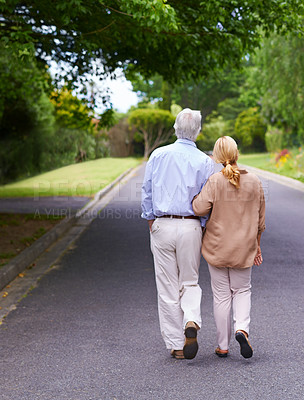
x=225 y=152
x=232 y=174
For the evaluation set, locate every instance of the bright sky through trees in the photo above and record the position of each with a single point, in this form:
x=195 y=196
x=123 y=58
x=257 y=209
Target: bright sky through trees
x=119 y=90
x=122 y=96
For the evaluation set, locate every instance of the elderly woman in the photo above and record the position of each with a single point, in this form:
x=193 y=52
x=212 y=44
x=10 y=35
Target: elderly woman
x=235 y=200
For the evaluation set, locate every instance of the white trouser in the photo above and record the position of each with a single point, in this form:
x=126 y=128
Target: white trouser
x=176 y=247
x=230 y=287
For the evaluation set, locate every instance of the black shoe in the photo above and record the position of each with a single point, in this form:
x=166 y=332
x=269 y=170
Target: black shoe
x=191 y=346
x=246 y=349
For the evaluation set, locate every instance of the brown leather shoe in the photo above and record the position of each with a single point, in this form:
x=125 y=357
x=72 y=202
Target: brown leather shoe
x=242 y=338
x=178 y=354
x=191 y=346
x=221 y=353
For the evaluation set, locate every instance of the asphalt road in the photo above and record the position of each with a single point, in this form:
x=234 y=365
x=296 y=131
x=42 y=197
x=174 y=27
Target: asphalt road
x=90 y=329
x=63 y=206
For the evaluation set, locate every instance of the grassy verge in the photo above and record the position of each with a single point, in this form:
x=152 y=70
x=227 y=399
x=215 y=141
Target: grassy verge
x=259 y=160
x=288 y=166
x=19 y=231
x=84 y=179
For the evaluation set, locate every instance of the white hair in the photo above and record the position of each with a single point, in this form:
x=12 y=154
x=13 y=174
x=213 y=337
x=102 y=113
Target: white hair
x=188 y=124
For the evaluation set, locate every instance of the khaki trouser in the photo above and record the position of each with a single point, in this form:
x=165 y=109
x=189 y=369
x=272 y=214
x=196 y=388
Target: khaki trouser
x=176 y=246
x=230 y=287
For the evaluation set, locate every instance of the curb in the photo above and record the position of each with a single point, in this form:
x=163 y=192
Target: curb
x=103 y=192
x=283 y=180
x=11 y=270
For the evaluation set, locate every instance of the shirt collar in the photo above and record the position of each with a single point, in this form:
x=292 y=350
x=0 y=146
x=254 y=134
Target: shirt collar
x=186 y=141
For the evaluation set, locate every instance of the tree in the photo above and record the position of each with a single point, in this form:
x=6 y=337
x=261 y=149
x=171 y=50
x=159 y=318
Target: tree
x=75 y=133
x=71 y=112
x=250 y=130
x=177 y=39
x=204 y=95
x=208 y=93
x=276 y=84
x=27 y=122
x=155 y=127
x=148 y=90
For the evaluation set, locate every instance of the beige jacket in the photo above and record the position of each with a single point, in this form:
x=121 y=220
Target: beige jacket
x=237 y=216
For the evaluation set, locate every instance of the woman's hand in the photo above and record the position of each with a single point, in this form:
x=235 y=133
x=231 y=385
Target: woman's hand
x=258 y=259
x=150 y=222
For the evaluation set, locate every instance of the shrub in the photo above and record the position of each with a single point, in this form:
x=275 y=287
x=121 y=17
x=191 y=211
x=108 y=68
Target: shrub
x=250 y=130
x=290 y=162
x=274 y=139
x=213 y=128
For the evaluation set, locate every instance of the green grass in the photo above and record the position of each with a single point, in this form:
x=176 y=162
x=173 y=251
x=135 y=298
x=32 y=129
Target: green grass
x=83 y=179
x=258 y=160
x=266 y=161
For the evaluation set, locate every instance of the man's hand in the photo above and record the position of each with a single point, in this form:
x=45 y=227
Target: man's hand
x=150 y=222
x=258 y=259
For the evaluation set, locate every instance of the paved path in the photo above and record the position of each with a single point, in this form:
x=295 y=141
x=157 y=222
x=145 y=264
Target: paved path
x=49 y=205
x=90 y=329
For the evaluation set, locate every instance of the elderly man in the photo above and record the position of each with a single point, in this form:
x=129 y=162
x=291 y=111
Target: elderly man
x=174 y=175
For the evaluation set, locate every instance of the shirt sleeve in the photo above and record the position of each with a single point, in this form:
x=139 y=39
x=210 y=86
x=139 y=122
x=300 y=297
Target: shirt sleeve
x=209 y=172
x=203 y=202
x=262 y=226
x=146 y=199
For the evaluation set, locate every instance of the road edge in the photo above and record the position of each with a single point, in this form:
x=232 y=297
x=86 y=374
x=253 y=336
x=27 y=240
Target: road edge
x=19 y=263
x=283 y=180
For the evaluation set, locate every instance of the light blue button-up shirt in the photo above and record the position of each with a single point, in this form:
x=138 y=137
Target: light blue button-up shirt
x=174 y=175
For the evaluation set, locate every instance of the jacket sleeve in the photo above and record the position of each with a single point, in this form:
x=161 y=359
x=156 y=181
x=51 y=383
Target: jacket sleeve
x=203 y=202
x=262 y=226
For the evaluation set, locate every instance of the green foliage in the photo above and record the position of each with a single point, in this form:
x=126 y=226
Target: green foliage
x=74 y=139
x=71 y=112
x=26 y=114
x=204 y=95
x=250 y=130
x=213 y=128
x=181 y=41
x=67 y=147
x=230 y=108
x=274 y=139
x=277 y=84
x=177 y=39
x=154 y=127
x=250 y=92
x=109 y=118
x=148 y=90
x=207 y=94
x=165 y=103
